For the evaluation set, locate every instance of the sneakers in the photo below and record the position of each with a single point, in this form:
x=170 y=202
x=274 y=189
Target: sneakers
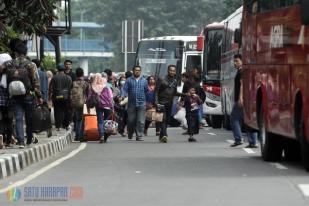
x=191 y=139
x=236 y=143
x=139 y=139
x=251 y=146
x=21 y=145
x=163 y=139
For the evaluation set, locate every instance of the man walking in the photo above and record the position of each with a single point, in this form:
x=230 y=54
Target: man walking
x=59 y=92
x=237 y=111
x=24 y=87
x=136 y=88
x=165 y=92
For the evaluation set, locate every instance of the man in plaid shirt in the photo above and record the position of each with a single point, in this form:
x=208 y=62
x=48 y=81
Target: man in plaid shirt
x=136 y=88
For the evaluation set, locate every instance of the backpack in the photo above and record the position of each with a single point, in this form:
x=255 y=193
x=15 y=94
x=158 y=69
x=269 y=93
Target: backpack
x=19 y=82
x=77 y=94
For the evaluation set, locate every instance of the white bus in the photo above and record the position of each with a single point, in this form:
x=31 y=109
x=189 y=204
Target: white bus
x=155 y=54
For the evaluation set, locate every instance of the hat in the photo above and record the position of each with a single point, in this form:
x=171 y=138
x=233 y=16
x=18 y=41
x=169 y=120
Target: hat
x=60 y=67
x=4 y=57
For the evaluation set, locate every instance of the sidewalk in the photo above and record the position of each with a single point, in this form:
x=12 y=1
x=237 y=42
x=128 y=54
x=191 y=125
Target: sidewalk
x=15 y=160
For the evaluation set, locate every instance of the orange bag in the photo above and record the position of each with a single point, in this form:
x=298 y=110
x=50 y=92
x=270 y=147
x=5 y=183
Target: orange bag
x=91 y=132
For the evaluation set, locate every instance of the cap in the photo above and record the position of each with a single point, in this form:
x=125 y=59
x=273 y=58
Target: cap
x=60 y=67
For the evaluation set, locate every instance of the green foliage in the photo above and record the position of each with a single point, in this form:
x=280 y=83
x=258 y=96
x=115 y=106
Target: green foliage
x=7 y=35
x=28 y=16
x=49 y=63
x=161 y=18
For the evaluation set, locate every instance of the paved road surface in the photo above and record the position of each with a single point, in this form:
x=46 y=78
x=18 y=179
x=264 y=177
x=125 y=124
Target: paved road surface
x=130 y=173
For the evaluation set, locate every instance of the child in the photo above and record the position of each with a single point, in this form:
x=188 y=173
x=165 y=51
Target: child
x=192 y=102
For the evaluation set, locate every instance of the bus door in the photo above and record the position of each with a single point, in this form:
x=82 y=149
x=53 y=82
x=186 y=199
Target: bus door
x=193 y=60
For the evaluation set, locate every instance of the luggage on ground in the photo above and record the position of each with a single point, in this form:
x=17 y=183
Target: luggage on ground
x=91 y=132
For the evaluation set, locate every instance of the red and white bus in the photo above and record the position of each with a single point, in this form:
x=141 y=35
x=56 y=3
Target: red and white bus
x=275 y=48
x=213 y=36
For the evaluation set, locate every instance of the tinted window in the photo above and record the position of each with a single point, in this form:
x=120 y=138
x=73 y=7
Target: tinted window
x=267 y=5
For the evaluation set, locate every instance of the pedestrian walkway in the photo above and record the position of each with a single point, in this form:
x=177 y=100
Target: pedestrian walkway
x=15 y=160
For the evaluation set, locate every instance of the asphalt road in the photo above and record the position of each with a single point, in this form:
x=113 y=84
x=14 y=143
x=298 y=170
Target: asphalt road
x=130 y=173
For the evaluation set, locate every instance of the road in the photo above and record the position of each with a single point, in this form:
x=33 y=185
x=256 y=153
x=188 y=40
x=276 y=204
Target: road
x=130 y=173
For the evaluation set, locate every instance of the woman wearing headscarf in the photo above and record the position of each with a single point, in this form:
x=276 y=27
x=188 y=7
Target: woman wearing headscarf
x=105 y=106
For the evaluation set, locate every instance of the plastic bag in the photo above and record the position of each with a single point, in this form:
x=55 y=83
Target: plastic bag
x=180 y=116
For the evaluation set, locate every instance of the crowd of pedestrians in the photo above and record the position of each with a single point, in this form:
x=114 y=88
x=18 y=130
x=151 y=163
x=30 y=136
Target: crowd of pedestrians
x=137 y=102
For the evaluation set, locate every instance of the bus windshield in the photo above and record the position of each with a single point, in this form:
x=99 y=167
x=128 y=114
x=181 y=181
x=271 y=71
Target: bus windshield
x=213 y=46
x=155 y=56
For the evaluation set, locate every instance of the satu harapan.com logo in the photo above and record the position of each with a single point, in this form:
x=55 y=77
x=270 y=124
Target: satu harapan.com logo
x=14 y=194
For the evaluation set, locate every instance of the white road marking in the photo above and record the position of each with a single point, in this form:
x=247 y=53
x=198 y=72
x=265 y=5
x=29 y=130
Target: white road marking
x=230 y=141
x=304 y=188
x=44 y=169
x=249 y=151
x=211 y=134
x=279 y=166
x=138 y=172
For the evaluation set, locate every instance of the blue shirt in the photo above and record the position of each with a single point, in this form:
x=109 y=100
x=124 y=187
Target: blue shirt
x=136 y=91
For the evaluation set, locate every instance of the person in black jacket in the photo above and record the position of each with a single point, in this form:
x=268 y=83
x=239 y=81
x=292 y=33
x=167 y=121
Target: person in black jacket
x=166 y=89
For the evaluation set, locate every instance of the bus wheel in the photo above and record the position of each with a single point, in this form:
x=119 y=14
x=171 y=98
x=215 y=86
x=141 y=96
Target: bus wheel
x=271 y=145
x=291 y=150
x=303 y=143
x=216 y=121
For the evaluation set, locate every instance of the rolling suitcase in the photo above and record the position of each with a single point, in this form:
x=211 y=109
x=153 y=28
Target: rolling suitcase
x=91 y=132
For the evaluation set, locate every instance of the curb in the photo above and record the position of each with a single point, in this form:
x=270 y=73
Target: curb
x=11 y=164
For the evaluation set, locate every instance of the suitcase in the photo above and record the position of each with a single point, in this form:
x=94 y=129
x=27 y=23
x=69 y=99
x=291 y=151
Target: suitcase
x=91 y=132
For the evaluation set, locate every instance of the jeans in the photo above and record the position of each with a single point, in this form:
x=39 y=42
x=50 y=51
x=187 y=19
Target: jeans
x=23 y=107
x=136 y=120
x=147 y=124
x=78 y=126
x=102 y=114
x=6 y=123
x=252 y=137
x=166 y=120
x=61 y=113
x=236 y=119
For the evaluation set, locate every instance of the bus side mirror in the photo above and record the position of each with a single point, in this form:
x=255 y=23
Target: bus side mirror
x=304 y=14
x=237 y=37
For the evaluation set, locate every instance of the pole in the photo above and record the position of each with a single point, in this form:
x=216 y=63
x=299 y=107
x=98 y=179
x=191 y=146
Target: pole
x=125 y=45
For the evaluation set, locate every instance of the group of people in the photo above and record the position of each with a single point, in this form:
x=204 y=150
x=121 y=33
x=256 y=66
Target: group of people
x=23 y=84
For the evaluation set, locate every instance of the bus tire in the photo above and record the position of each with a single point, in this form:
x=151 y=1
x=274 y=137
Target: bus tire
x=291 y=150
x=271 y=145
x=216 y=121
x=303 y=143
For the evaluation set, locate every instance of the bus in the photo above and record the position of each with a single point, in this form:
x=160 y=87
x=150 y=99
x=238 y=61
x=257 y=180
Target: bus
x=155 y=54
x=228 y=72
x=213 y=37
x=275 y=48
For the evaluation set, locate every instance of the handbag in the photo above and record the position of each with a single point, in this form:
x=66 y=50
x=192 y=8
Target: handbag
x=111 y=126
x=149 y=113
x=157 y=116
x=93 y=99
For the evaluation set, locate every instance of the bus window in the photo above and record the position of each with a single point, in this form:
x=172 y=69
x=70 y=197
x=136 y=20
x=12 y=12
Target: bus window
x=193 y=61
x=267 y=5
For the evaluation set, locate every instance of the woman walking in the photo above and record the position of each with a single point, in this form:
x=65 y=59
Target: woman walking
x=104 y=107
x=150 y=104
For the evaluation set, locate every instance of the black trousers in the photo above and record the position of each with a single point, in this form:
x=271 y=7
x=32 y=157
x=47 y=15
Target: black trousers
x=62 y=113
x=6 y=123
x=193 y=122
x=166 y=120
